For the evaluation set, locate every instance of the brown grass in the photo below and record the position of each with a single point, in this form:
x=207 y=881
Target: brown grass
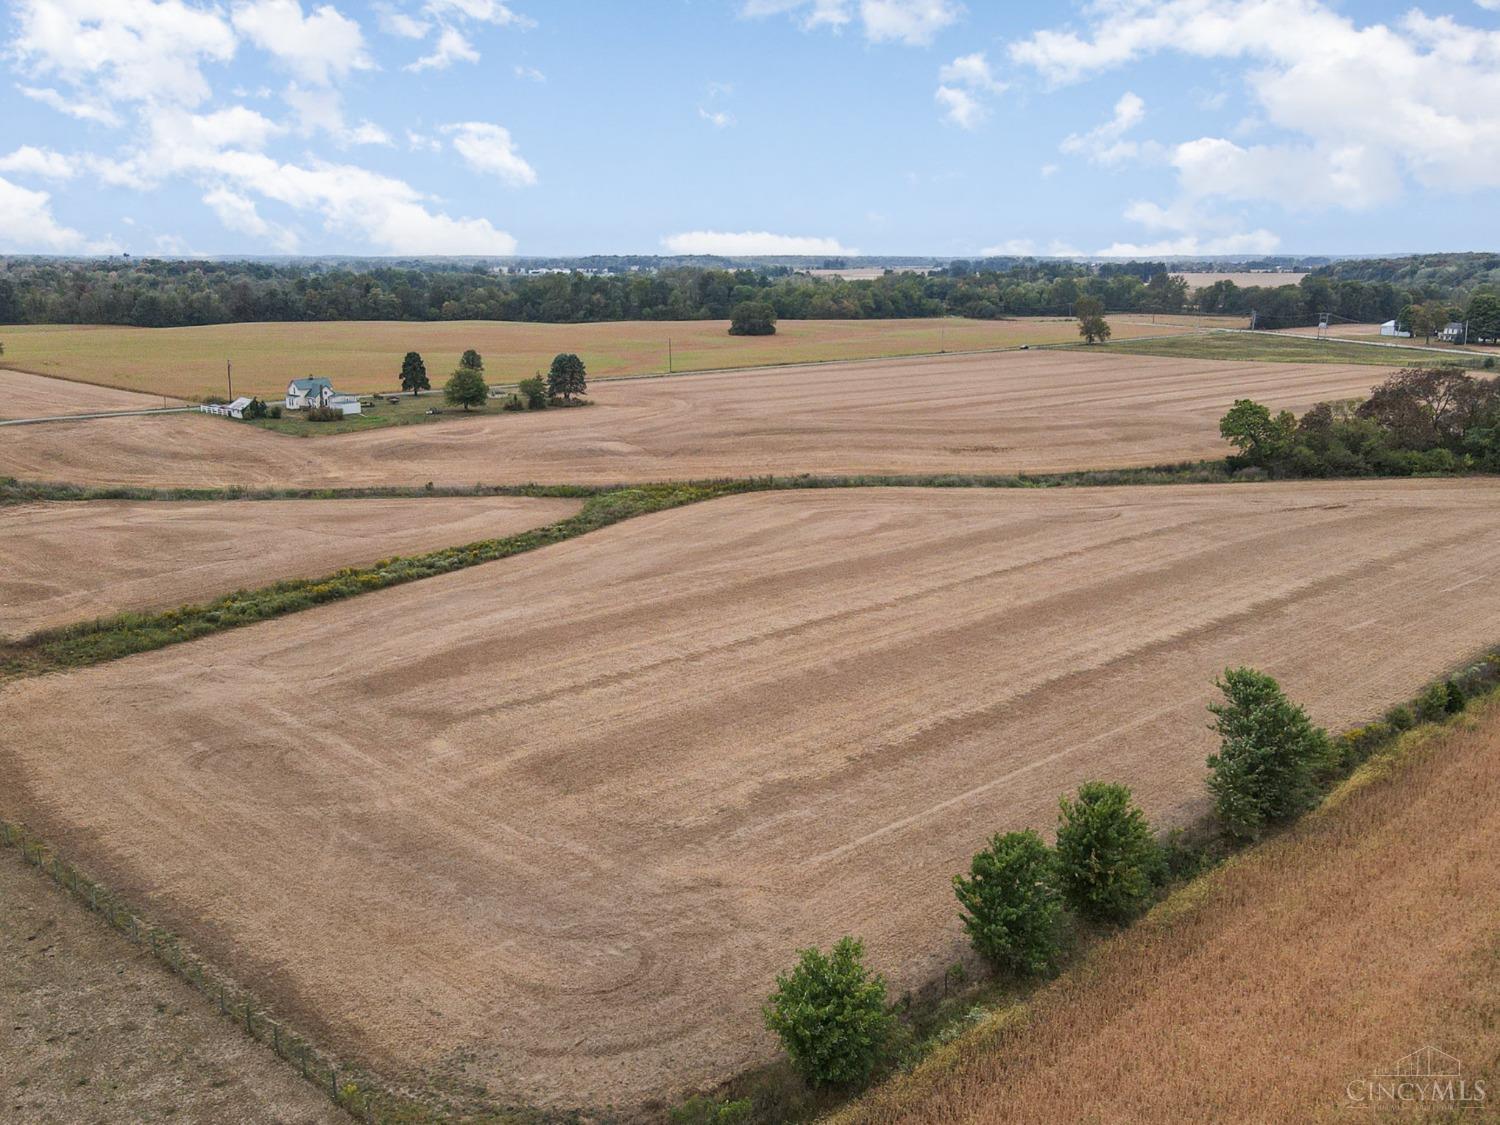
x=366 y=356
x=69 y=562
x=997 y=413
x=549 y=827
x=1264 y=991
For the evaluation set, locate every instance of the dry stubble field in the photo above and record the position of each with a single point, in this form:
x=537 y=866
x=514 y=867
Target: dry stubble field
x=35 y=396
x=69 y=562
x=366 y=355
x=996 y=413
x=558 y=845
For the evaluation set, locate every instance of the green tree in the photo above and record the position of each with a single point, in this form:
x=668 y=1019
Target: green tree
x=830 y=1014
x=567 y=376
x=1483 y=315
x=1105 y=854
x=1427 y=320
x=1269 y=755
x=753 y=318
x=1011 y=903
x=472 y=360
x=1091 y=323
x=534 y=391
x=1250 y=427
x=414 y=374
x=466 y=387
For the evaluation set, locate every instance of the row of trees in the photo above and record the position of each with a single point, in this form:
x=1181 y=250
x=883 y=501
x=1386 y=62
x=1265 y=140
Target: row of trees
x=1420 y=420
x=831 y=1012
x=567 y=380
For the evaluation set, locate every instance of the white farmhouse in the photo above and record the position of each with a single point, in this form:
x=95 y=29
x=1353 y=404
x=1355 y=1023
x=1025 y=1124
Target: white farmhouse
x=304 y=393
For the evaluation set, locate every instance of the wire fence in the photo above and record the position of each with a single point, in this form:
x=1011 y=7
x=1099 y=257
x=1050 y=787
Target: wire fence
x=344 y=1086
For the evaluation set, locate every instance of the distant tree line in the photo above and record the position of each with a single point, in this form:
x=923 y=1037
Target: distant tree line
x=167 y=293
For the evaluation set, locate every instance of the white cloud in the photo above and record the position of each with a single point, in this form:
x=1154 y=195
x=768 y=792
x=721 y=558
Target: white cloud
x=317 y=48
x=421 y=142
x=1192 y=246
x=129 y=50
x=452 y=46
x=83 y=108
x=530 y=73
x=43 y=162
x=744 y=243
x=368 y=133
x=960 y=107
x=239 y=213
x=28 y=226
x=1048 y=171
x=490 y=148
x=912 y=22
x=972 y=71
x=1106 y=144
x=449 y=20
x=1011 y=248
x=962 y=84
x=718 y=118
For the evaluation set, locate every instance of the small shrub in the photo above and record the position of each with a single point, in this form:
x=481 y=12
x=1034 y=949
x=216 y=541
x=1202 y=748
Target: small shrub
x=1457 y=699
x=1105 y=855
x=1433 y=702
x=700 y=1110
x=1401 y=718
x=324 y=414
x=829 y=1013
x=274 y=412
x=533 y=392
x=1010 y=903
x=1489 y=363
x=513 y=402
x=1270 y=755
x=255 y=409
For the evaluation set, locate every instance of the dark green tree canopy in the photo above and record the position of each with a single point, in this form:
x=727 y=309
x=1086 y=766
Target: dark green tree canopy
x=1106 y=858
x=1011 y=903
x=472 y=360
x=567 y=376
x=1265 y=770
x=830 y=1014
x=753 y=318
x=466 y=387
x=414 y=374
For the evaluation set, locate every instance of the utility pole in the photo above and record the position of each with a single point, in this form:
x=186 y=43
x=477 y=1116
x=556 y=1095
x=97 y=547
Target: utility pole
x=229 y=374
x=669 y=355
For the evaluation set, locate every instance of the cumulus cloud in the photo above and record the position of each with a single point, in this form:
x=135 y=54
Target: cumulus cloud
x=130 y=50
x=447 y=21
x=732 y=244
x=960 y=107
x=718 y=118
x=29 y=160
x=1107 y=144
x=489 y=148
x=27 y=225
x=962 y=84
x=912 y=22
x=83 y=108
x=239 y=213
x=317 y=48
x=1356 y=112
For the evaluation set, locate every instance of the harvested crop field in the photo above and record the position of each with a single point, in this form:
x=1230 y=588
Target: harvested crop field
x=96 y=1030
x=35 y=396
x=575 y=809
x=69 y=562
x=1288 y=980
x=997 y=413
x=366 y=356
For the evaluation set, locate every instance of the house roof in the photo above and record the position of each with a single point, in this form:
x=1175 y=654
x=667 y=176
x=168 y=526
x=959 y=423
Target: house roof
x=310 y=384
x=240 y=403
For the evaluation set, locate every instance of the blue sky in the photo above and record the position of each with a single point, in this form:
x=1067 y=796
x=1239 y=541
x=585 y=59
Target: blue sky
x=1154 y=127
